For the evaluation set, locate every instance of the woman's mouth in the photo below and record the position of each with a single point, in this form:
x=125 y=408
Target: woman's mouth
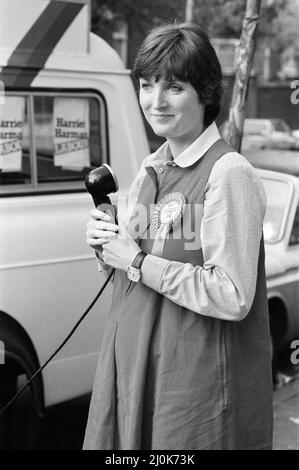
x=162 y=116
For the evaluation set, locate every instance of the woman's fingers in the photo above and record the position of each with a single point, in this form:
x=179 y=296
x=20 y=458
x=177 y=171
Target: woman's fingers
x=103 y=234
x=106 y=226
x=96 y=214
x=94 y=233
x=96 y=243
x=93 y=224
x=100 y=229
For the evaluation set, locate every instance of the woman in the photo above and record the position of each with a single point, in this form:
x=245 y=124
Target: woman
x=185 y=360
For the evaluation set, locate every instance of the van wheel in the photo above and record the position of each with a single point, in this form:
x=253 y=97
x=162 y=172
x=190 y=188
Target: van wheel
x=8 y=381
x=278 y=325
x=19 y=424
x=272 y=348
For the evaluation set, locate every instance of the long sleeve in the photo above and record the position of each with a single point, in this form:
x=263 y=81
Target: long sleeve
x=231 y=231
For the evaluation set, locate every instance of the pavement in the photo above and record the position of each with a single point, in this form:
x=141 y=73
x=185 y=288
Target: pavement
x=63 y=426
x=286 y=413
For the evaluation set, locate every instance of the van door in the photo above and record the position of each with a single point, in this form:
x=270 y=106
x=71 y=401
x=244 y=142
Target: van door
x=49 y=141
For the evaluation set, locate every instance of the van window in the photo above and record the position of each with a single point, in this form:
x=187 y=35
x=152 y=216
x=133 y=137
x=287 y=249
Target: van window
x=15 y=165
x=58 y=139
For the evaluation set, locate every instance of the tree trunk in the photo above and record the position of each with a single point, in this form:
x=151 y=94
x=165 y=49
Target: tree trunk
x=189 y=11
x=233 y=129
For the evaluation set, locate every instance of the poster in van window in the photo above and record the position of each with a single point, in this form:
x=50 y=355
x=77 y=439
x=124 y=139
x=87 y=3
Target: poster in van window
x=71 y=133
x=12 y=114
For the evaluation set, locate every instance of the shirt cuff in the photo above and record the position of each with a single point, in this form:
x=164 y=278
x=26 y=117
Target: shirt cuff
x=152 y=270
x=102 y=266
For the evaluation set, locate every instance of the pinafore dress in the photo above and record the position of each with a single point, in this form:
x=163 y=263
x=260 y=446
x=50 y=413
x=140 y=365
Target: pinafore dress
x=170 y=378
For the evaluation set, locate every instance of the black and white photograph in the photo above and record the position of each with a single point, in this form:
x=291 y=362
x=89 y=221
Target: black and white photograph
x=149 y=227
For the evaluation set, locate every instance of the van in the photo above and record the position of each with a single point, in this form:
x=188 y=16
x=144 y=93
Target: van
x=69 y=105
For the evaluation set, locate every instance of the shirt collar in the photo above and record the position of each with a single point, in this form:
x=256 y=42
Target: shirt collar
x=199 y=147
x=192 y=153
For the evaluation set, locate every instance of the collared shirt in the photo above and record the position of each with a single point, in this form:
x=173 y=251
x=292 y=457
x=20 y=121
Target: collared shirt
x=163 y=156
x=231 y=231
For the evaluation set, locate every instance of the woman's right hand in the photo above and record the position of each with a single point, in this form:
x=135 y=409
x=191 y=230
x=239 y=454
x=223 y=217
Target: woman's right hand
x=100 y=228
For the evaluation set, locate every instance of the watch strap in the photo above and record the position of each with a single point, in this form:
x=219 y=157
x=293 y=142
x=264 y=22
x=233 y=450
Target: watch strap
x=138 y=260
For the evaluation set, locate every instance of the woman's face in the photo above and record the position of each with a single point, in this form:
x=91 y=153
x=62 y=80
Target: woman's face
x=172 y=109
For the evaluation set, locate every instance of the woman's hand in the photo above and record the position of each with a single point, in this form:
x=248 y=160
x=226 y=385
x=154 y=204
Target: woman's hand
x=116 y=249
x=100 y=228
x=120 y=251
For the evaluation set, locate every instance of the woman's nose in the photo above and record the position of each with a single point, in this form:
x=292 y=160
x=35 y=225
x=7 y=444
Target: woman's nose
x=159 y=99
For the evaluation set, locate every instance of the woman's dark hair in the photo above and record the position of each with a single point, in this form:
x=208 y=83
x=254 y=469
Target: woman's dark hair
x=184 y=52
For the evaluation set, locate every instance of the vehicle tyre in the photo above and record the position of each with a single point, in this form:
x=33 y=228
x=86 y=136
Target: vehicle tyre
x=8 y=380
x=277 y=312
x=19 y=424
x=273 y=358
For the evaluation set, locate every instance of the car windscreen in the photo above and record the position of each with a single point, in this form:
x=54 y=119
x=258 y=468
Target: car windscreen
x=281 y=126
x=278 y=194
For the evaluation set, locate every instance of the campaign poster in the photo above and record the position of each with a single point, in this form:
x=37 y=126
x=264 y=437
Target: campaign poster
x=71 y=133
x=12 y=115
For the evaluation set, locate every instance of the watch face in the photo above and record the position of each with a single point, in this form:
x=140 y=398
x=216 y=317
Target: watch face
x=133 y=274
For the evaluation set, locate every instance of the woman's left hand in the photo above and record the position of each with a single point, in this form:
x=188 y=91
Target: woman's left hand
x=119 y=252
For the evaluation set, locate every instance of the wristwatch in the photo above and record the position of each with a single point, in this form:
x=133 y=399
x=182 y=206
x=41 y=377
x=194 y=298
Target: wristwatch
x=134 y=272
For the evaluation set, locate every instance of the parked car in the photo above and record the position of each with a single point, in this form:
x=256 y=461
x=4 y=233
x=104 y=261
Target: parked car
x=281 y=234
x=268 y=133
x=295 y=133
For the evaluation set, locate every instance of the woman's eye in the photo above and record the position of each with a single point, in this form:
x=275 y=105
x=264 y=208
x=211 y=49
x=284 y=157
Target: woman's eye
x=146 y=86
x=174 y=87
